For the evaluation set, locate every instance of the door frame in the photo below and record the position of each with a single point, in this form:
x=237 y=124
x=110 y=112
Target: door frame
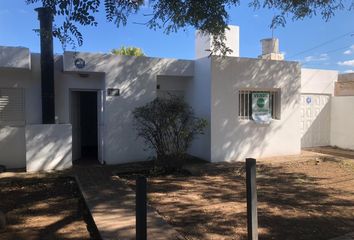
x=100 y=93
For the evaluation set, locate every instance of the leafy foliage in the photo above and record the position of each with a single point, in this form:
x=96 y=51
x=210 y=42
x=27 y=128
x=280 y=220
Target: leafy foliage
x=168 y=126
x=73 y=12
x=300 y=9
x=210 y=17
x=128 y=51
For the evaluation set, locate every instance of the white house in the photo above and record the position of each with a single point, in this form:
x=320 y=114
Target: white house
x=96 y=93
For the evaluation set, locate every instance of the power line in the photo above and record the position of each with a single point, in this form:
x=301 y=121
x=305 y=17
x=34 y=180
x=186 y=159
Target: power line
x=324 y=43
x=337 y=49
x=334 y=50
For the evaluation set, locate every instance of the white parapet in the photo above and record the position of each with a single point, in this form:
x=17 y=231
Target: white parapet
x=48 y=147
x=15 y=57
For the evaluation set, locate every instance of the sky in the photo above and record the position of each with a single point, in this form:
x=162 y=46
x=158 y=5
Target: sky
x=313 y=42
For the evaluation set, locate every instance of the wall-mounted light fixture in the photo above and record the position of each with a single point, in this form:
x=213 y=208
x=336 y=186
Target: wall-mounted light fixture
x=113 y=92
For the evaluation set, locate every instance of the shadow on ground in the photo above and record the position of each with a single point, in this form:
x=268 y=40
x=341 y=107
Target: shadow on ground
x=307 y=200
x=312 y=199
x=41 y=208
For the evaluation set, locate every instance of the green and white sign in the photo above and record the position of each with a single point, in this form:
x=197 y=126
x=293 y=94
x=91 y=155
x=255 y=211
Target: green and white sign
x=261 y=107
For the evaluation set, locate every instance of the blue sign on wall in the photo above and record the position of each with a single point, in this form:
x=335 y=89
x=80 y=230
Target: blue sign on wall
x=308 y=100
x=79 y=63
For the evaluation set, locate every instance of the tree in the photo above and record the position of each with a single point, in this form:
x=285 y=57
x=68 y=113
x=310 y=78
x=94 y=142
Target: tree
x=168 y=126
x=128 y=51
x=210 y=17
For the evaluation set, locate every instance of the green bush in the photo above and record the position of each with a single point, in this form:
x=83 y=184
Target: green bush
x=168 y=126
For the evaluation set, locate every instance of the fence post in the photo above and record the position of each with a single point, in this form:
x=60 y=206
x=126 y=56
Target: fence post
x=140 y=208
x=252 y=222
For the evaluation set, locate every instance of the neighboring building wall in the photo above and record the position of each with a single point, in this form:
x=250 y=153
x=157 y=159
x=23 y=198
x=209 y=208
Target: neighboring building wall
x=346 y=77
x=318 y=81
x=342 y=124
x=345 y=85
x=235 y=139
x=344 y=88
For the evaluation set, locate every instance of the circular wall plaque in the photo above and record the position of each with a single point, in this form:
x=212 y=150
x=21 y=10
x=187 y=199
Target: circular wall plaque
x=308 y=100
x=79 y=63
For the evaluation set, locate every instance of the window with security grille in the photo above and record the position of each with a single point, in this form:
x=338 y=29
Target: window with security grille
x=245 y=103
x=12 y=106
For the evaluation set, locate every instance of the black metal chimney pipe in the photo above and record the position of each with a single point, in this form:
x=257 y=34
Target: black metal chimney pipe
x=45 y=17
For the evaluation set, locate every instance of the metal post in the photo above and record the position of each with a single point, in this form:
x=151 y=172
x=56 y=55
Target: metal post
x=140 y=208
x=45 y=16
x=252 y=222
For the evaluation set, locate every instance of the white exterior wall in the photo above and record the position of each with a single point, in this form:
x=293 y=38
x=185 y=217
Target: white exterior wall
x=211 y=87
x=12 y=138
x=234 y=139
x=317 y=88
x=30 y=81
x=12 y=147
x=315 y=120
x=65 y=82
x=198 y=97
x=342 y=124
x=136 y=77
x=137 y=83
x=15 y=157
x=48 y=147
x=174 y=83
x=15 y=57
x=318 y=81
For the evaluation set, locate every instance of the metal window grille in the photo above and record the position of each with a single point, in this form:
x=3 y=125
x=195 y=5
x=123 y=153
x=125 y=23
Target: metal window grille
x=245 y=104
x=12 y=106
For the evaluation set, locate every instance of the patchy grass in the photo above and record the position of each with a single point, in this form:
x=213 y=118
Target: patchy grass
x=41 y=206
x=312 y=198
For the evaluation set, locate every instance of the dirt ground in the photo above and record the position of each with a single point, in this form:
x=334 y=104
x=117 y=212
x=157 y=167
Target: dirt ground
x=40 y=207
x=305 y=198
